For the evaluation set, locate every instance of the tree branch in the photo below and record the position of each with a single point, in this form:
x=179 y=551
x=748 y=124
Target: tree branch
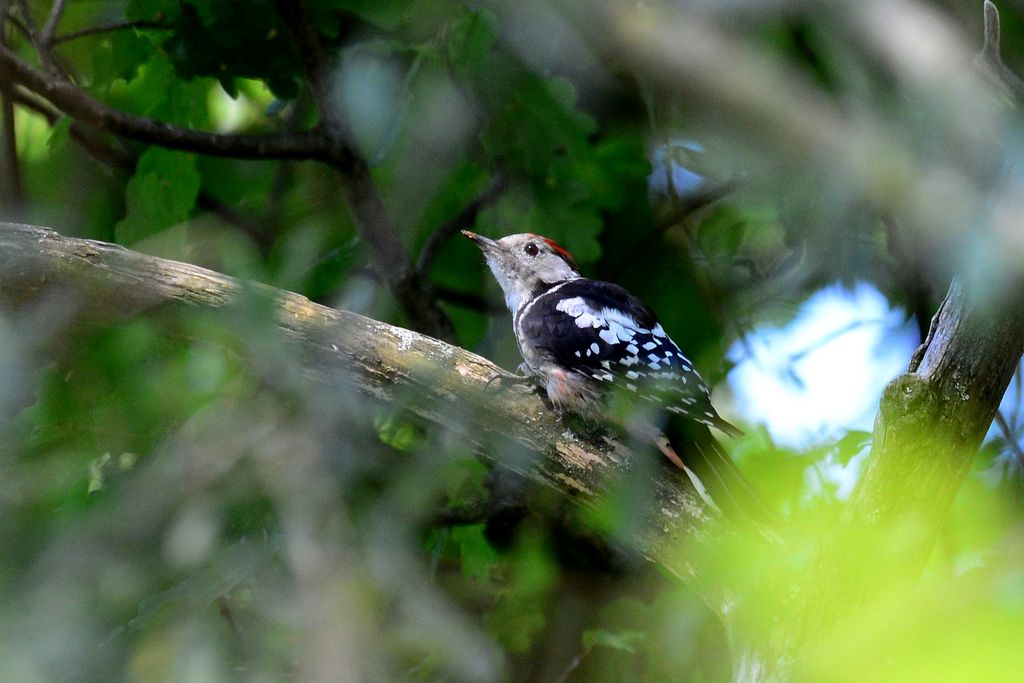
x=389 y=255
x=440 y=383
x=123 y=160
x=10 y=170
x=387 y=251
x=74 y=102
x=463 y=219
x=110 y=28
x=50 y=27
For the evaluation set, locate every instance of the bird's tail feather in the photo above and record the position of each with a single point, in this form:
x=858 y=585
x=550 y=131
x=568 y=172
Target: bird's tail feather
x=720 y=479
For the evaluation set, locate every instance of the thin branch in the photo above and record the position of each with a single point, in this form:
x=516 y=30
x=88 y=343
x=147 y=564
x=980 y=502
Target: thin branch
x=831 y=336
x=124 y=160
x=1011 y=438
x=110 y=28
x=12 y=192
x=74 y=102
x=109 y=154
x=573 y=664
x=684 y=208
x=463 y=219
x=679 y=212
x=50 y=27
x=34 y=36
x=26 y=16
x=390 y=257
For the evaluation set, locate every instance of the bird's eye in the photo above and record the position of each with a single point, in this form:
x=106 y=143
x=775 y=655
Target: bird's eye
x=531 y=249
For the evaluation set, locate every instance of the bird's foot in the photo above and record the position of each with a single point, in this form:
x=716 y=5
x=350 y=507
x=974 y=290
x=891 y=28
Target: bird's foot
x=522 y=382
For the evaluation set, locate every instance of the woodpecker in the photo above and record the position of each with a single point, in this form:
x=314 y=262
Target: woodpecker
x=582 y=339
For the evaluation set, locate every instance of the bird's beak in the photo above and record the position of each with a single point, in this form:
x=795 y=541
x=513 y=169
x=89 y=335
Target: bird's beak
x=481 y=241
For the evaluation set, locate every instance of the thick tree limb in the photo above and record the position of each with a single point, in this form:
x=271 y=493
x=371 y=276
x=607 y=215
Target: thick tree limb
x=443 y=384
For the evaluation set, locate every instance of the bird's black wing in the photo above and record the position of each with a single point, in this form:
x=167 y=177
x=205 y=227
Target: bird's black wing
x=604 y=332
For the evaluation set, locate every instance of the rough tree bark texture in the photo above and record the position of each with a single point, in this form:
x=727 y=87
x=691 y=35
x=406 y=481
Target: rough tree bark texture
x=440 y=382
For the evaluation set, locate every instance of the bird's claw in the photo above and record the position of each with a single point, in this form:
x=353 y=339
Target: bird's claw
x=505 y=382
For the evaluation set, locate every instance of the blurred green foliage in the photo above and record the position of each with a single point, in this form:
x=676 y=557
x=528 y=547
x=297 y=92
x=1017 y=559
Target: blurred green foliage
x=181 y=504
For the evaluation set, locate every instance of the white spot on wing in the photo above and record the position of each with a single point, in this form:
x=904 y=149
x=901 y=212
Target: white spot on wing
x=573 y=306
x=594 y=348
x=608 y=336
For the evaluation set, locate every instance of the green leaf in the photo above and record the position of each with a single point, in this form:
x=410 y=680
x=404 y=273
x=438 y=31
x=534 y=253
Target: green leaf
x=465 y=482
x=60 y=134
x=162 y=193
x=722 y=233
x=120 y=57
x=397 y=432
x=475 y=551
x=471 y=40
x=516 y=620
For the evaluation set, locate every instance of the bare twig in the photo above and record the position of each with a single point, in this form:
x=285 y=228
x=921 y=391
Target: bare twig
x=684 y=208
x=110 y=28
x=28 y=19
x=1011 y=438
x=101 y=150
x=50 y=27
x=573 y=664
x=828 y=337
x=12 y=192
x=679 y=212
x=463 y=219
x=35 y=37
x=18 y=24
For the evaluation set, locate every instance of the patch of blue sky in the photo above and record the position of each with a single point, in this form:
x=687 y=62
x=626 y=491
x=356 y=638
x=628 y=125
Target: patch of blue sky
x=821 y=374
